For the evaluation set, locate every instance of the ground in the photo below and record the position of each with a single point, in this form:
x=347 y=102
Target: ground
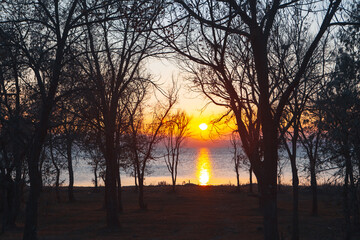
x=193 y=212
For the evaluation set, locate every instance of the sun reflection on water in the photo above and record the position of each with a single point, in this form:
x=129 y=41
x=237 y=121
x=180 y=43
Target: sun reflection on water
x=203 y=167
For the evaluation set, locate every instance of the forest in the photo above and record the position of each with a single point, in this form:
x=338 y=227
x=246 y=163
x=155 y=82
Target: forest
x=75 y=77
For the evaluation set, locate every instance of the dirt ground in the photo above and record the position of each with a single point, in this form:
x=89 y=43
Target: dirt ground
x=193 y=212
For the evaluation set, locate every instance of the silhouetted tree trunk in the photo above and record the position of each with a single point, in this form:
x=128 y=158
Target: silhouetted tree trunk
x=250 y=180
x=142 y=204
x=69 y=143
x=237 y=178
x=313 y=183
x=177 y=130
x=57 y=180
x=295 y=183
x=31 y=213
x=292 y=140
x=95 y=175
x=118 y=180
x=111 y=198
x=135 y=179
x=347 y=214
x=352 y=189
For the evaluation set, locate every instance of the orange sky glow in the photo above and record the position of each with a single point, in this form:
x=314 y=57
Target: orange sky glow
x=195 y=104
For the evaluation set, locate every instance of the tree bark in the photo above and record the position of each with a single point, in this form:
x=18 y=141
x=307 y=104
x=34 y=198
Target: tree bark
x=135 y=178
x=120 y=205
x=268 y=177
x=95 y=176
x=57 y=171
x=250 y=179
x=142 y=204
x=268 y=202
x=346 y=207
x=173 y=181
x=237 y=178
x=70 y=170
x=31 y=214
x=353 y=194
x=111 y=201
x=313 y=183
x=295 y=183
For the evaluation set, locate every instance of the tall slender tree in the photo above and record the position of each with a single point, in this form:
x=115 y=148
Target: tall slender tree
x=116 y=51
x=251 y=84
x=176 y=132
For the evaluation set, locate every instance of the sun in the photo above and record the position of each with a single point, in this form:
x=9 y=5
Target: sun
x=203 y=126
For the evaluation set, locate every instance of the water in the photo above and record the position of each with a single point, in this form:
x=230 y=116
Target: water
x=203 y=166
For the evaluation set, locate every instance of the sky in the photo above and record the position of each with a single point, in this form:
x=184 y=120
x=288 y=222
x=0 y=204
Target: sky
x=194 y=103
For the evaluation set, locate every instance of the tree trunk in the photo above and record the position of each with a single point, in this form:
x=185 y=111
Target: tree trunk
x=173 y=182
x=31 y=214
x=268 y=175
x=279 y=182
x=142 y=204
x=18 y=158
x=57 y=181
x=119 y=190
x=346 y=207
x=70 y=170
x=237 y=178
x=111 y=201
x=250 y=179
x=353 y=194
x=135 y=178
x=268 y=201
x=313 y=183
x=95 y=176
x=268 y=187
x=5 y=203
x=295 y=183
x=16 y=194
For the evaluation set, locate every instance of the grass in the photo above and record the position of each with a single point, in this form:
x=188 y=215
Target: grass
x=193 y=212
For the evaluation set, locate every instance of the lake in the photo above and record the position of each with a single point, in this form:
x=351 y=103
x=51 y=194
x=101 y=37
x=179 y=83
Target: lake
x=203 y=166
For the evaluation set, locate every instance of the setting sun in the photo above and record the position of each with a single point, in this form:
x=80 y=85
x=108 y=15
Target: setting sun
x=203 y=126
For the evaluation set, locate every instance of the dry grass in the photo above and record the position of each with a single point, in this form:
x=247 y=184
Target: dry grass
x=192 y=212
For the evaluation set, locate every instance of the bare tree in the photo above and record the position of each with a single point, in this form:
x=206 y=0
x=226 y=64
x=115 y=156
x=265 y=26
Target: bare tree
x=56 y=163
x=339 y=104
x=45 y=33
x=15 y=127
x=115 y=53
x=238 y=157
x=145 y=134
x=250 y=25
x=175 y=133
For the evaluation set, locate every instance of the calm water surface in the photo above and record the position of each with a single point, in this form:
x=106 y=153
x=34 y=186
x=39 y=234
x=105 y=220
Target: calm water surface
x=203 y=166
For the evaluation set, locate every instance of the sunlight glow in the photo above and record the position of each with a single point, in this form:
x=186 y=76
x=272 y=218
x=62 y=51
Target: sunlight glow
x=203 y=126
x=203 y=169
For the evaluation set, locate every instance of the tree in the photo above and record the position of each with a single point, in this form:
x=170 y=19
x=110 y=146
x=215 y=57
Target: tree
x=56 y=161
x=115 y=52
x=250 y=25
x=238 y=158
x=15 y=127
x=44 y=41
x=310 y=138
x=176 y=131
x=339 y=104
x=145 y=134
x=290 y=123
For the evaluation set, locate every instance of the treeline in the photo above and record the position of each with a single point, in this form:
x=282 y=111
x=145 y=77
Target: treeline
x=74 y=73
